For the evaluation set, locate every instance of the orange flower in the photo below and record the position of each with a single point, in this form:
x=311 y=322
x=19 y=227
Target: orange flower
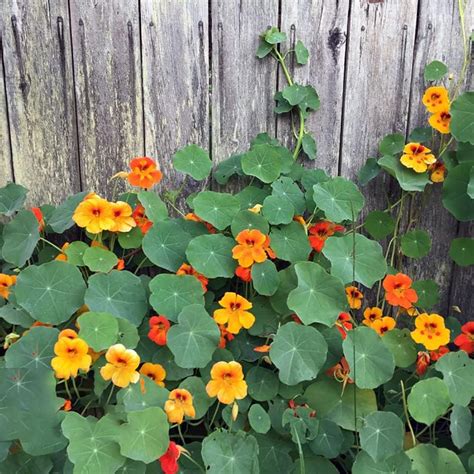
x=398 y=291
x=159 y=326
x=37 y=324
x=6 y=281
x=234 y=312
x=417 y=157
x=437 y=172
x=262 y=349
x=441 y=120
x=300 y=219
x=465 y=341
x=430 y=331
x=67 y=405
x=227 y=382
x=319 y=233
x=39 y=217
x=69 y=333
x=62 y=256
x=122 y=216
x=435 y=99
x=343 y=324
x=266 y=246
x=71 y=355
x=186 y=269
x=382 y=325
x=94 y=214
x=121 y=366
x=120 y=264
x=193 y=217
x=245 y=274
x=142 y=222
x=340 y=372
x=155 y=372
x=179 y=405
x=354 y=297
x=144 y=173
x=371 y=315
x=250 y=248
x=422 y=363
x=225 y=337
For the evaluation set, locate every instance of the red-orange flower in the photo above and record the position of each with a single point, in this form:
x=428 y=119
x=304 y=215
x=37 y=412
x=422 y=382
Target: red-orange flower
x=120 y=264
x=398 y=291
x=343 y=324
x=465 y=341
x=319 y=233
x=39 y=217
x=169 y=460
x=422 y=363
x=67 y=405
x=340 y=371
x=245 y=274
x=159 y=327
x=250 y=248
x=144 y=173
x=438 y=353
x=142 y=222
x=225 y=337
x=186 y=269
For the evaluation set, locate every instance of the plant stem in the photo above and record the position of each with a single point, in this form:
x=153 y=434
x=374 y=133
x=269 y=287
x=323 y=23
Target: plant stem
x=215 y=414
x=76 y=391
x=67 y=390
x=110 y=394
x=51 y=243
x=181 y=434
x=187 y=456
x=405 y=410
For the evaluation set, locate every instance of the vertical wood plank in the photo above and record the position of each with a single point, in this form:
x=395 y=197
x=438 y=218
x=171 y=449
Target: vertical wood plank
x=6 y=174
x=175 y=79
x=322 y=27
x=107 y=66
x=39 y=86
x=242 y=85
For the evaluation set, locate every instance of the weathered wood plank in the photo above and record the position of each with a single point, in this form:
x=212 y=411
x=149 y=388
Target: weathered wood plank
x=322 y=27
x=175 y=80
x=6 y=173
x=106 y=45
x=39 y=85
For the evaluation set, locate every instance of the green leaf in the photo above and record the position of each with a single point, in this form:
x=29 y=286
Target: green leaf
x=251 y=195
x=408 y=179
x=51 y=292
x=165 y=245
x=428 y=459
x=290 y=242
x=428 y=293
x=435 y=70
x=99 y=330
x=194 y=339
x=287 y=190
x=137 y=397
x=274 y=36
x=302 y=423
x=99 y=260
x=382 y=435
x=16 y=316
x=120 y=293
x=369 y=171
x=131 y=240
x=12 y=198
x=294 y=94
x=170 y=294
x=455 y=197
x=128 y=334
x=319 y=297
x=265 y=278
x=339 y=198
x=470 y=185
x=259 y=419
x=61 y=219
x=233 y=453
x=211 y=255
x=155 y=208
x=310 y=102
x=20 y=237
x=301 y=52
x=145 y=436
x=273 y=453
x=193 y=160
x=298 y=352
x=368 y=358
x=216 y=208
x=421 y=135
x=458 y=375
x=461 y=251
x=402 y=346
x=228 y=168
x=462 y=118
x=379 y=224
x=263 y=49
x=392 y=144
x=249 y=220
x=283 y=106
x=428 y=399
x=355 y=258
x=201 y=401
x=264 y=162
x=75 y=253
x=398 y=464
x=416 y=244
x=329 y=440
x=278 y=211
x=262 y=384
x=460 y=425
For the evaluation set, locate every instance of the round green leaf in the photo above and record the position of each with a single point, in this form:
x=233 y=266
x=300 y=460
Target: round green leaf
x=211 y=255
x=428 y=459
x=228 y=168
x=277 y=210
x=462 y=118
x=402 y=346
x=264 y=162
x=265 y=278
x=61 y=219
x=460 y=425
x=319 y=297
x=435 y=70
x=329 y=440
x=193 y=160
x=249 y=220
x=51 y=292
x=162 y=355
x=75 y=253
x=138 y=396
x=130 y=240
x=201 y=401
x=398 y=464
x=301 y=52
x=455 y=196
x=290 y=242
x=368 y=172
x=287 y=190
x=428 y=399
x=99 y=260
x=368 y=358
x=155 y=208
x=216 y=208
x=259 y=419
x=379 y=224
x=416 y=244
x=309 y=146
x=99 y=330
x=428 y=293
x=294 y=94
x=364 y=254
x=12 y=198
x=194 y=339
x=298 y=352
x=251 y=195
x=16 y=316
x=119 y=293
x=462 y=251
x=262 y=384
x=128 y=334
x=392 y=144
x=421 y=135
x=408 y=179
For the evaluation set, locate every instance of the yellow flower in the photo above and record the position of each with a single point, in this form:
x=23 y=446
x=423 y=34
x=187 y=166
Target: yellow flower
x=371 y=315
x=435 y=98
x=382 y=325
x=441 y=120
x=227 y=382
x=155 y=372
x=95 y=214
x=430 y=331
x=179 y=405
x=354 y=297
x=121 y=367
x=71 y=355
x=417 y=157
x=122 y=216
x=234 y=313
x=437 y=172
x=250 y=248
x=256 y=209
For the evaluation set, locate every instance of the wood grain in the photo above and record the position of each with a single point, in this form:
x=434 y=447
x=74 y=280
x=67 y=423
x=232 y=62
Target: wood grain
x=6 y=168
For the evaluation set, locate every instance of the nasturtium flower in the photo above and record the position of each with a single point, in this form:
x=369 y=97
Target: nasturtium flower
x=371 y=315
x=354 y=297
x=225 y=336
x=417 y=157
x=144 y=173
x=67 y=406
x=234 y=312
x=435 y=99
x=121 y=367
x=179 y=405
x=39 y=217
x=441 y=120
x=465 y=341
x=245 y=274
x=438 y=353
x=437 y=172
x=227 y=382
x=383 y=325
x=398 y=291
x=159 y=326
x=319 y=233
x=186 y=269
x=430 y=331
x=300 y=220
x=256 y=209
x=262 y=349
x=6 y=281
x=122 y=216
x=120 y=264
x=71 y=356
x=62 y=256
x=422 y=363
x=343 y=324
x=94 y=214
x=340 y=372
x=142 y=222
x=155 y=372
x=250 y=248
x=69 y=333
x=169 y=460
x=195 y=218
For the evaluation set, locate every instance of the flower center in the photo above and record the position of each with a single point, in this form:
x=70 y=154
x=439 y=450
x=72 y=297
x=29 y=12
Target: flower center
x=234 y=306
x=96 y=212
x=430 y=330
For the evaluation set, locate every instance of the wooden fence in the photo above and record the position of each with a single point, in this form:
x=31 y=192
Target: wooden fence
x=88 y=84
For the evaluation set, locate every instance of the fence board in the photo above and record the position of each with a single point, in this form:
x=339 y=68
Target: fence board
x=106 y=46
x=6 y=174
x=39 y=90
x=322 y=27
